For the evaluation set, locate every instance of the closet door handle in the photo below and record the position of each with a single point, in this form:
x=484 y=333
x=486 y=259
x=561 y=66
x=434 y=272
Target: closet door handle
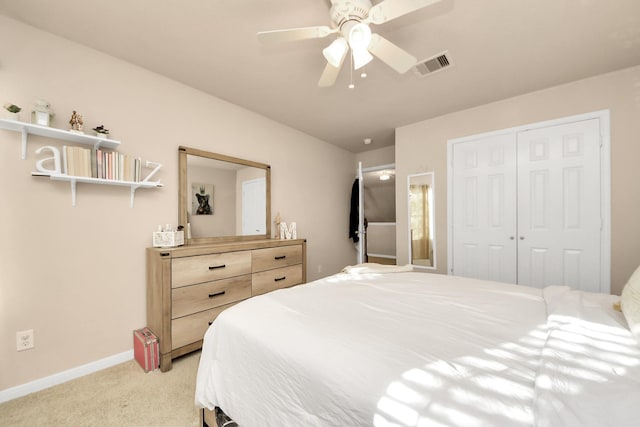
x=277 y=279
x=280 y=257
x=217 y=294
x=215 y=267
x=521 y=237
x=511 y=238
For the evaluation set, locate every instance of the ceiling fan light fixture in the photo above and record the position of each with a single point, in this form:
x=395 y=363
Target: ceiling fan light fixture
x=361 y=58
x=336 y=51
x=359 y=36
x=359 y=40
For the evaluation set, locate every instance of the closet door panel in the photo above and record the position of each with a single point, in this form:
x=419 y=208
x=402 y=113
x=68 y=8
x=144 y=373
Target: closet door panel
x=483 y=208
x=559 y=206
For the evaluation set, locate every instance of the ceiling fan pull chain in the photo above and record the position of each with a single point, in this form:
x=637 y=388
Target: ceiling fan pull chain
x=351 y=85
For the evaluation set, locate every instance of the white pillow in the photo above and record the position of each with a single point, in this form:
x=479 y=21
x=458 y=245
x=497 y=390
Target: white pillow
x=630 y=302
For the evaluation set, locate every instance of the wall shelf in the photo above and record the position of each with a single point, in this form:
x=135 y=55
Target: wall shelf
x=73 y=180
x=27 y=129
x=96 y=142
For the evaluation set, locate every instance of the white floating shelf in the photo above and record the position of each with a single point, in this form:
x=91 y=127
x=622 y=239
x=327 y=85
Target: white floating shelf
x=49 y=132
x=75 y=179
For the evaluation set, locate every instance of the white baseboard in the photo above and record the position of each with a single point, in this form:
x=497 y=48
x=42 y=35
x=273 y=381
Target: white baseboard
x=62 y=377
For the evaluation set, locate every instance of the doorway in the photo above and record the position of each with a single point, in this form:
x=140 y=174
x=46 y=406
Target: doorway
x=378 y=214
x=254 y=206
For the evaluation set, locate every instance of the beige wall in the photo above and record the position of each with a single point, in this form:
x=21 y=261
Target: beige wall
x=376 y=157
x=422 y=147
x=76 y=275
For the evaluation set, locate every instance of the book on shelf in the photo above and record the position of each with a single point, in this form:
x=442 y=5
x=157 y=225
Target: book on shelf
x=101 y=164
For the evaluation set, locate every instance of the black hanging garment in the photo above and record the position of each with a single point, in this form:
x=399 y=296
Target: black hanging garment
x=354 y=215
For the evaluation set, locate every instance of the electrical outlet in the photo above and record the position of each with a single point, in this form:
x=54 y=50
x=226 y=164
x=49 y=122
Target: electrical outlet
x=24 y=340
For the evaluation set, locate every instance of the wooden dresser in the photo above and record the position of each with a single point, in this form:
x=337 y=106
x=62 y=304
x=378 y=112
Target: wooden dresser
x=188 y=286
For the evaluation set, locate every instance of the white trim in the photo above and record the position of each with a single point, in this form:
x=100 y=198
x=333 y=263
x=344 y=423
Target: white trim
x=379 y=168
x=382 y=256
x=605 y=164
x=64 y=376
x=361 y=229
x=381 y=224
x=604 y=117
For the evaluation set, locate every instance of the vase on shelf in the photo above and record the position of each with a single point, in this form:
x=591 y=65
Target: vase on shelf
x=12 y=116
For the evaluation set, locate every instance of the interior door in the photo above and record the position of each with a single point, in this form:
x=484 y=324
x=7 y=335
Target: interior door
x=254 y=206
x=559 y=218
x=484 y=208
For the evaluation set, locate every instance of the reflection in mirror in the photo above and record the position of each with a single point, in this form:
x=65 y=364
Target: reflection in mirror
x=421 y=220
x=223 y=198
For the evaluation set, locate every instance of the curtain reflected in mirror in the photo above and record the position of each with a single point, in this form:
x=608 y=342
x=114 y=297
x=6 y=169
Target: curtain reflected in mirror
x=421 y=220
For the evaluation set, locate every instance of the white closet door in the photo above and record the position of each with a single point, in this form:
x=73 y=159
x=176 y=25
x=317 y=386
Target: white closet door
x=559 y=202
x=254 y=207
x=484 y=204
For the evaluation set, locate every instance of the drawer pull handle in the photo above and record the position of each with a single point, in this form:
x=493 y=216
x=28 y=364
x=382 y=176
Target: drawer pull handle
x=280 y=257
x=215 y=267
x=277 y=279
x=217 y=294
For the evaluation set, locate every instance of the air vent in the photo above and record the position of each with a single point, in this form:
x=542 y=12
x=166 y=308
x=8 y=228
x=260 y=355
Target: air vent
x=433 y=64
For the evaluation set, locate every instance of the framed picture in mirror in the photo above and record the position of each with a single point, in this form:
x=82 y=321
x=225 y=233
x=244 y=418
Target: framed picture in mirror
x=201 y=199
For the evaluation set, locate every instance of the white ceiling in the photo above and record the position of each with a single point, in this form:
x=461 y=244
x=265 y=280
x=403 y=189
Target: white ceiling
x=499 y=48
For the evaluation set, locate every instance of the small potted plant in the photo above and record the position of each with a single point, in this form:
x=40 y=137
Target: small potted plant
x=12 y=111
x=101 y=131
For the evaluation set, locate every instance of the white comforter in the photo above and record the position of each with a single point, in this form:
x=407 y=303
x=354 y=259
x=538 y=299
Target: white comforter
x=417 y=349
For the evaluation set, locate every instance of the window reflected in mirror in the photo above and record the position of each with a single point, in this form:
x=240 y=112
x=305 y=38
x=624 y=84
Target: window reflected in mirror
x=421 y=220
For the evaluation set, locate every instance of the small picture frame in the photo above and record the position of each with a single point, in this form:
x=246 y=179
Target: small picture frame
x=40 y=118
x=201 y=199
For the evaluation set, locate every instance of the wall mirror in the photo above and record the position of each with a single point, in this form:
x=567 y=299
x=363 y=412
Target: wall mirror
x=222 y=198
x=422 y=241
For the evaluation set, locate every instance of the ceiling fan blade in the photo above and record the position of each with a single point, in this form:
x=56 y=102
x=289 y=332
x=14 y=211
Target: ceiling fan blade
x=329 y=75
x=392 y=9
x=390 y=54
x=291 y=34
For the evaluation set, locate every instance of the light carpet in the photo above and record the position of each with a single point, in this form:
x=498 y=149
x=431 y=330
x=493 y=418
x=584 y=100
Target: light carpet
x=122 y=395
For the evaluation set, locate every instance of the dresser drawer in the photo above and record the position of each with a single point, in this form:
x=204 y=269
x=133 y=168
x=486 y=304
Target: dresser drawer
x=205 y=268
x=270 y=258
x=189 y=329
x=266 y=281
x=191 y=299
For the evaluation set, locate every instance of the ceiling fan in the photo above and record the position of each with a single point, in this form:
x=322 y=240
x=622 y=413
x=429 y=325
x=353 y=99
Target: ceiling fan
x=350 y=19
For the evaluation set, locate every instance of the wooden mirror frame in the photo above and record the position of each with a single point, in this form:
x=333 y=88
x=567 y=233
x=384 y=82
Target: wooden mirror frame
x=183 y=194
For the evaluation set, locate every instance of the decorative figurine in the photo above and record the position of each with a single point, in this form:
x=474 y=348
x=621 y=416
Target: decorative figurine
x=101 y=131
x=76 y=122
x=277 y=222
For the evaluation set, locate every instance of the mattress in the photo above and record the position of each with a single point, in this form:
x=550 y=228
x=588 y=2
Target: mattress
x=419 y=349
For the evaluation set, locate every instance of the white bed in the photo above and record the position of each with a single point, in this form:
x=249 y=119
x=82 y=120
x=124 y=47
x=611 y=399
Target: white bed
x=417 y=349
